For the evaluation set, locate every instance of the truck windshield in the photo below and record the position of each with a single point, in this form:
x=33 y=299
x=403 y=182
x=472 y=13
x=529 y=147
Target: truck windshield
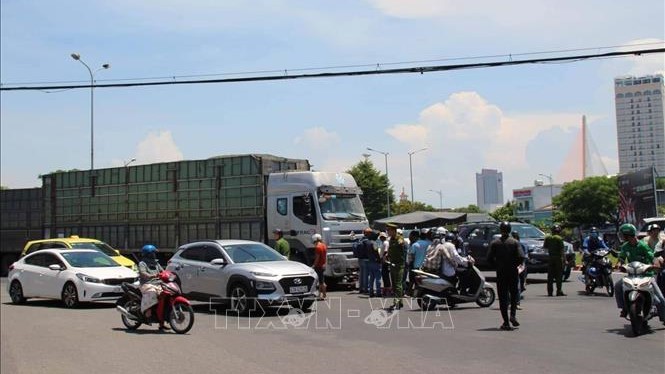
x=341 y=207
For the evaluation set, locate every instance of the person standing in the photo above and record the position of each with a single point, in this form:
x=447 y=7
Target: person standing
x=319 y=266
x=374 y=270
x=505 y=253
x=382 y=246
x=281 y=245
x=361 y=252
x=396 y=259
x=557 y=258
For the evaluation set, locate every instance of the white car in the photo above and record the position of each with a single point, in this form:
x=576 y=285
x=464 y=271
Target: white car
x=242 y=273
x=72 y=276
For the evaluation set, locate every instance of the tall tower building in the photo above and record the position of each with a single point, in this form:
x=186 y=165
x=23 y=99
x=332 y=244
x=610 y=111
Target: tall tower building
x=489 y=189
x=640 y=128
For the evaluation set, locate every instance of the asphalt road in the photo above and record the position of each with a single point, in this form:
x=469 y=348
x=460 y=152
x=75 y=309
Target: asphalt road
x=572 y=334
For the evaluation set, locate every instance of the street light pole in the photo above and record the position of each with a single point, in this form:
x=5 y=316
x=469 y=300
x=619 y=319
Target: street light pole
x=411 y=168
x=385 y=154
x=440 y=197
x=551 y=194
x=77 y=57
x=129 y=162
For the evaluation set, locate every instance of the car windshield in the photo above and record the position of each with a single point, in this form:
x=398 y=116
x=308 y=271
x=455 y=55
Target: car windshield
x=241 y=253
x=528 y=232
x=98 y=246
x=89 y=260
x=341 y=207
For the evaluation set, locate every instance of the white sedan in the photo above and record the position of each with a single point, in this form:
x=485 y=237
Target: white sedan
x=72 y=276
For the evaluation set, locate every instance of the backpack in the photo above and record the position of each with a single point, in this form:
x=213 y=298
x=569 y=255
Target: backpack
x=360 y=248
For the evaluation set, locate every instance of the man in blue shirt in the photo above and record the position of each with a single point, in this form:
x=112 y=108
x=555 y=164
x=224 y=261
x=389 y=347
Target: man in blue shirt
x=419 y=248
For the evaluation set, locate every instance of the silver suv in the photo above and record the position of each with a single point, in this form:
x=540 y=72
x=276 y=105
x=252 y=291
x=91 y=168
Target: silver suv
x=242 y=273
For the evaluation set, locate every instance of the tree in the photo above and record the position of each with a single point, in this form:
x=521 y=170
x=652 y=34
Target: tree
x=505 y=213
x=471 y=208
x=406 y=206
x=375 y=186
x=591 y=201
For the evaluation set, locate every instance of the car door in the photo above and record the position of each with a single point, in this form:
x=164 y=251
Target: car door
x=210 y=276
x=29 y=275
x=186 y=267
x=52 y=281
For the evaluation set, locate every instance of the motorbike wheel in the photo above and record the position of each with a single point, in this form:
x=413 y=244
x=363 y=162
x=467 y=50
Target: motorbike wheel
x=486 y=297
x=589 y=289
x=425 y=303
x=636 y=319
x=181 y=318
x=131 y=306
x=610 y=288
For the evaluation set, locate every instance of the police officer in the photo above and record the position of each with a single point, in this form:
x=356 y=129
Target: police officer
x=396 y=259
x=281 y=245
x=505 y=253
x=557 y=258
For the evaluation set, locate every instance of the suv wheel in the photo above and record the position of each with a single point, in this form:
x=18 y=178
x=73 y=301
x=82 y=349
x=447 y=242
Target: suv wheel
x=242 y=301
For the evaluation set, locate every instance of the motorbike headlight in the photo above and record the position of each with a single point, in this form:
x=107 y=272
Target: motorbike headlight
x=264 y=286
x=87 y=278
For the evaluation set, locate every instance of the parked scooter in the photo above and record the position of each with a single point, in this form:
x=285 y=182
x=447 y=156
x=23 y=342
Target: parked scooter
x=177 y=309
x=598 y=272
x=638 y=295
x=432 y=290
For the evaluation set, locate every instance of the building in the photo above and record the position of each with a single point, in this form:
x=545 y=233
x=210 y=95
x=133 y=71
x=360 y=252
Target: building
x=489 y=189
x=534 y=204
x=639 y=105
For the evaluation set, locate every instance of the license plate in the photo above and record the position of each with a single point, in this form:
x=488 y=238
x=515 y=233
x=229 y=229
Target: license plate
x=297 y=289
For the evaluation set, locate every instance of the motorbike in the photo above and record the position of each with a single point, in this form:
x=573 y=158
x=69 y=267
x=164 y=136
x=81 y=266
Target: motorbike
x=178 y=311
x=598 y=272
x=432 y=290
x=638 y=295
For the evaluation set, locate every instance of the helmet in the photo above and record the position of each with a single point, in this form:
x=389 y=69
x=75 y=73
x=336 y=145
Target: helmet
x=316 y=238
x=627 y=229
x=653 y=226
x=556 y=229
x=593 y=271
x=450 y=237
x=424 y=233
x=593 y=232
x=383 y=234
x=505 y=227
x=277 y=231
x=148 y=248
x=440 y=232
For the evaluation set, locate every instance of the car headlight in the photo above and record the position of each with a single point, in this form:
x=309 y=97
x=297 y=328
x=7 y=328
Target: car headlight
x=87 y=278
x=260 y=274
x=264 y=286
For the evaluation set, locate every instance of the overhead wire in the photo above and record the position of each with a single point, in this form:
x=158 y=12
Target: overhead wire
x=377 y=71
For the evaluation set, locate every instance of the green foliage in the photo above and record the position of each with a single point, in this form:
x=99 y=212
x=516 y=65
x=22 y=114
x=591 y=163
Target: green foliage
x=505 y=213
x=471 y=208
x=407 y=206
x=4 y=188
x=660 y=183
x=591 y=201
x=375 y=186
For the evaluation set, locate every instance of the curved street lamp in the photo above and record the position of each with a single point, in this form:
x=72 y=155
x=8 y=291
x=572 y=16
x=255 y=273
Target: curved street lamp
x=77 y=57
x=411 y=168
x=385 y=154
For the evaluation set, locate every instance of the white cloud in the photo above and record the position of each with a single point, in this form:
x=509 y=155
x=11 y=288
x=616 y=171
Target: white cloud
x=158 y=147
x=466 y=133
x=318 y=138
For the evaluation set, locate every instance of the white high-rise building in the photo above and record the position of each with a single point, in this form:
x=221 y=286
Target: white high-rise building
x=640 y=127
x=489 y=189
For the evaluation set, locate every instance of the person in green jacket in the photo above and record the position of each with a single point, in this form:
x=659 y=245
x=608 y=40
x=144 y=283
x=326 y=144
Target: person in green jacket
x=557 y=258
x=397 y=259
x=281 y=245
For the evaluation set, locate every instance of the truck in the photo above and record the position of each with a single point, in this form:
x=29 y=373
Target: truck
x=225 y=197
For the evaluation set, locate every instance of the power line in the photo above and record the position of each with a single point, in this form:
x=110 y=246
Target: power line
x=376 y=71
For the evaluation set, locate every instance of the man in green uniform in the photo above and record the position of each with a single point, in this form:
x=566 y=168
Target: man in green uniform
x=396 y=258
x=557 y=257
x=281 y=245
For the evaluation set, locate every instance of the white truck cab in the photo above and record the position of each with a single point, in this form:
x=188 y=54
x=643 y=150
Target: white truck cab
x=302 y=203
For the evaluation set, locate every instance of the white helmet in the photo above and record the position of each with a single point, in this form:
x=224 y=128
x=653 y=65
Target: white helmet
x=440 y=232
x=316 y=238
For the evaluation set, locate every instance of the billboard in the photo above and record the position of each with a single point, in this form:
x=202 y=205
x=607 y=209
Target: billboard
x=637 y=196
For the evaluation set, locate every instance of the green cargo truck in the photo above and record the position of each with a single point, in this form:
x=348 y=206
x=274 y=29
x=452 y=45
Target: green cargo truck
x=227 y=197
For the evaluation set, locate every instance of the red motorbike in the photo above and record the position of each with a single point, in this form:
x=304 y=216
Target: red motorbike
x=177 y=309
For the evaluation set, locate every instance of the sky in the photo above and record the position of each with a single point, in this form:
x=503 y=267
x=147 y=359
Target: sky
x=522 y=120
